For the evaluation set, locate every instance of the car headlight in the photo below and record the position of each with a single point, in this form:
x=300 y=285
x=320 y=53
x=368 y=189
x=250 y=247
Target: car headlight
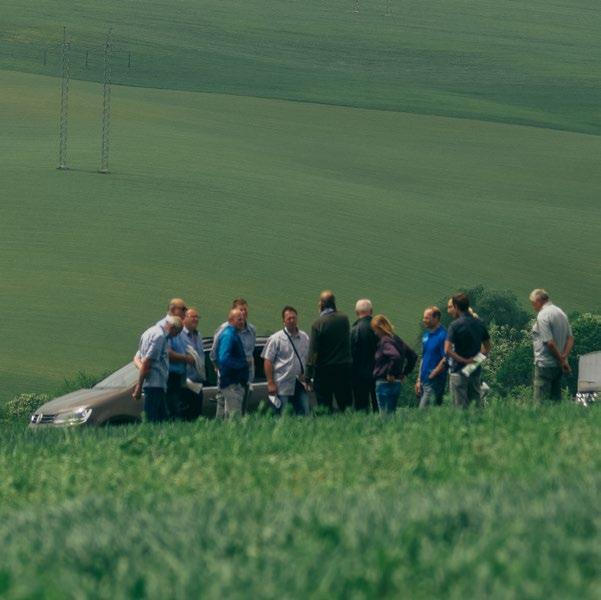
x=73 y=417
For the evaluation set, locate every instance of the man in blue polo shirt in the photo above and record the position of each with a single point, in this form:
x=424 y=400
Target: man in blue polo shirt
x=233 y=364
x=432 y=378
x=178 y=362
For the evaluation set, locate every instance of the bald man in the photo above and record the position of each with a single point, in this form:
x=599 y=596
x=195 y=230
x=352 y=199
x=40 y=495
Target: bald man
x=363 y=350
x=329 y=362
x=178 y=362
x=233 y=366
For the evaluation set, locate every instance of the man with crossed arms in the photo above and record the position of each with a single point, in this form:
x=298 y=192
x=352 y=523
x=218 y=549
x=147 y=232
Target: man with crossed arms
x=285 y=358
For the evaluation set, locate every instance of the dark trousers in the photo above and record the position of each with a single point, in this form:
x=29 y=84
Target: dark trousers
x=191 y=405
x=154 y=404
x=364 y=395
x=174 y=395
x=334 y=381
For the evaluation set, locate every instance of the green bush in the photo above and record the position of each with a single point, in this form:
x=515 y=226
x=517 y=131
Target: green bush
x=586 y=328
x=498 y=307
x=22 y=406
x=81 y=380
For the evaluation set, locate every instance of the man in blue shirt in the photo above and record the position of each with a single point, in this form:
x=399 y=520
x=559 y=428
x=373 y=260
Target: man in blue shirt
x=233 y=364
x=191 y=339
x=248 y=335
x=178 y=360
x=152 y=359
x=432 y=378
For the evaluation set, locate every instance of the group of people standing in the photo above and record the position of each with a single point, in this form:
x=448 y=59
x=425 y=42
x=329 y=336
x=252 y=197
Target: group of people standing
x=360 y=366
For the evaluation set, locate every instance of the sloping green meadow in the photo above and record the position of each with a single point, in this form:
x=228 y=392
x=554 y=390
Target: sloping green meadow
x=530 y=62
x=498 y=503
x=214 y=196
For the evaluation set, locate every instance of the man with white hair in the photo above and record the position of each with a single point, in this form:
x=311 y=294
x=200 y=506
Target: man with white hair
x=363 y=350
x=553 y=341
x=178 y=362
x=153 y=361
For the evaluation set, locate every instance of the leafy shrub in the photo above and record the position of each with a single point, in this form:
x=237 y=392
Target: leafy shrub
x=498 y=307
x=81 y=380
x=23 y=406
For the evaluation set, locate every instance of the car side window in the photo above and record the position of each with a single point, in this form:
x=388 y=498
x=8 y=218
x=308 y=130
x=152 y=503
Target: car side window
x=212 y=375
x=210 y=370
x=259 y=368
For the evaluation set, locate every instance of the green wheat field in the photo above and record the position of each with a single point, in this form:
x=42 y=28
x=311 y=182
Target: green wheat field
x=270 y=149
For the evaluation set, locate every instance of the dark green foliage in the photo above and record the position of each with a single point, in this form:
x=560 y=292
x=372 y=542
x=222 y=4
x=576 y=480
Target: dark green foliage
x=81 y=380
x=499 y=307
x=587 y=338
x=516 y=369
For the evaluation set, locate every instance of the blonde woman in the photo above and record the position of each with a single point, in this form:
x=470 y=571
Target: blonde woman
x=393 y=361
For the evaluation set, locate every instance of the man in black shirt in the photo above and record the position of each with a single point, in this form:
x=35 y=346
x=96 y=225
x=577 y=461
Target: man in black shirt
x=467 y=338
x=329 y=361
x=363 y=349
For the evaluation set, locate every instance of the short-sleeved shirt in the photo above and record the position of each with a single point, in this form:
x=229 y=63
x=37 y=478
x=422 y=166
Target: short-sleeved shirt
x=466 y=334
x=194 y=339
x=248 y=335
x=153 y=345
x=551 y=324
x=177 y=345
x=432 y=351
x=286 y=365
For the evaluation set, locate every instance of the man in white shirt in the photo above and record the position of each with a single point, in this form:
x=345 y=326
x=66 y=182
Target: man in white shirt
x=285 y=359
x=552 y=341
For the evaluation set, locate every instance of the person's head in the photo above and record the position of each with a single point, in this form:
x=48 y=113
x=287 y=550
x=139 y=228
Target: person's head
x=363 y=308
x=461 y=302
x=176 y=307
x=242 y=305
x=191 y=319
x=290 y=318
x=173 y=325
x=327 y=300
x=431 y=318
x=451 y=310
x=538 y=298
x=236 y=318
x=382 y=326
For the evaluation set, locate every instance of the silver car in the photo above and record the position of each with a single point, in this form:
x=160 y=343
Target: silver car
x=110 y=400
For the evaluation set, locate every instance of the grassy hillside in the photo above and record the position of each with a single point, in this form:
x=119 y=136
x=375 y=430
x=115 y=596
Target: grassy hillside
x=212 y=196
x=530 y=62
x=483 y=504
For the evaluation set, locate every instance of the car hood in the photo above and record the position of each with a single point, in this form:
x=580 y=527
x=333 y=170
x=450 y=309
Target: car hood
x=76 y=399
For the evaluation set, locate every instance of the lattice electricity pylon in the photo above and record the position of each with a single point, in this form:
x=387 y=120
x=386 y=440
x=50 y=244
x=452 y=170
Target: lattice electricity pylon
x=356 y=6
x=64 y=111
x=106 y=106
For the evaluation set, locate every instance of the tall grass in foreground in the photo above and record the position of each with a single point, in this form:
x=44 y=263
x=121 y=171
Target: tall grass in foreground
x=501 y=502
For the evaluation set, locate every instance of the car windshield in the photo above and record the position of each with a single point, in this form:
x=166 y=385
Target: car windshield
x=123 y=378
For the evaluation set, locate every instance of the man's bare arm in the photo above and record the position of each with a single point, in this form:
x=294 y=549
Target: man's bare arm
x=562 y=360
x=448 y=348
x=568 y=347
x=272 y=388
x=144 y=371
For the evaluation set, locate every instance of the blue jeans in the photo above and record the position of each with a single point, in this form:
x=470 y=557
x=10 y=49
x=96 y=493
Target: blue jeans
x=433 y=391
x=387 y=395
x=154 y=404
x=299 y=400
